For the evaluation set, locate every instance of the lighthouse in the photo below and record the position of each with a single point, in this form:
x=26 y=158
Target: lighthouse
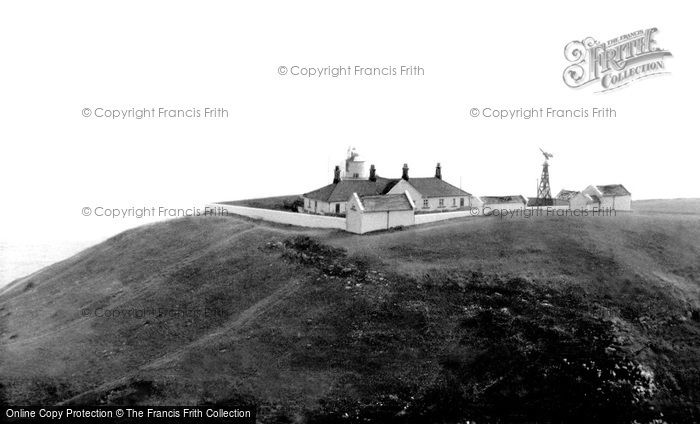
x=354 y=167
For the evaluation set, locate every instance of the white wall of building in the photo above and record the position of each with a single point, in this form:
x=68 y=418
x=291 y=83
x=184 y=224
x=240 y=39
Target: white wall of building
x=365 y=222
x=447 y=204
x=435 y=217
x=619 y=203
x=374 y=221
x=353 y=222
x=355 y=170
x=401 y=218
x=353 y=218
x=580 y=201
x=623 y=203
x=319 y=206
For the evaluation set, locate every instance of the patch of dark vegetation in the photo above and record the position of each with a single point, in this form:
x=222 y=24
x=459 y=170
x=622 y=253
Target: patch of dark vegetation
x=462 y=345
x=695 y=315
x=332 y=262
x=527 y=353
x=306 y=247
x=388 y=230
x=293 y=205
x=234 y=400
x=3 y=395
x=132 y=393
x=35 y=391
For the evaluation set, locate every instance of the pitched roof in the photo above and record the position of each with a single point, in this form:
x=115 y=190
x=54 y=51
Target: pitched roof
x=387 y=202
x=323 y=193
x=567 y=194
x=341 y=191
x=613 y=190
x=503 y=199
x=435 y=187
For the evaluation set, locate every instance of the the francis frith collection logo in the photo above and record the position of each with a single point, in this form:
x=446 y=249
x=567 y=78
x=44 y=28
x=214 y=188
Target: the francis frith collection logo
x=615 y=63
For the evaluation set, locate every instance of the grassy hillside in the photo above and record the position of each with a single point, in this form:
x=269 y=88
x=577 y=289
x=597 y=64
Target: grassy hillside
x=675 y=206
x=282 y=203
x=547 y=319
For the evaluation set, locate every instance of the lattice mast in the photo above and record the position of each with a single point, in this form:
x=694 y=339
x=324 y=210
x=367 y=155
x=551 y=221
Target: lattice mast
x=544 y=192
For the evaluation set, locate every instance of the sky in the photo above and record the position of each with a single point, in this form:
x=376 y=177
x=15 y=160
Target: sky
x=284 y=133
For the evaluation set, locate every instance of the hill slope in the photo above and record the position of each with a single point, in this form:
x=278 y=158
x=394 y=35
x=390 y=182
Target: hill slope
x=469 y=319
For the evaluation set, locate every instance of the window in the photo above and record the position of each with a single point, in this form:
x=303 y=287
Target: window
x=425 y=203
x=337 y=208
x=454 y=202
x=461 y=202
x=441 y=203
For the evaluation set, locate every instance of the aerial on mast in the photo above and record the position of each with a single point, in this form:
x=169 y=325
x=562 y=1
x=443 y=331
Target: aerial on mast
x=546 y=155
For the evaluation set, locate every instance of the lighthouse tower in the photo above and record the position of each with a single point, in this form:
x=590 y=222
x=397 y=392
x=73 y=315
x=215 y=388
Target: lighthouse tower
x=354 y=167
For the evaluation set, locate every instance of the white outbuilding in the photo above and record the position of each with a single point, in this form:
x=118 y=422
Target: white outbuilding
x=375 y=213
x=598 y=197
x=611 y=196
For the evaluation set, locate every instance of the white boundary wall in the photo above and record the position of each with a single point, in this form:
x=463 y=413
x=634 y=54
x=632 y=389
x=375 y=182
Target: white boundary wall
x=424 y=218
x=282 y=217
x=320 y=221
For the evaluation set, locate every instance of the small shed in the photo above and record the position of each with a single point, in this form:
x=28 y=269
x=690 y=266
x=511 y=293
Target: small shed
x=374 y=213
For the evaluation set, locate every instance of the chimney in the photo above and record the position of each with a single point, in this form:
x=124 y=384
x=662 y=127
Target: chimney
x=438 y=171
x=405 y=172
x=336 y=176
x=372 y=173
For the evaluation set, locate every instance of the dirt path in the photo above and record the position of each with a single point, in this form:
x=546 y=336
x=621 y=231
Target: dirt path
x=232 y=328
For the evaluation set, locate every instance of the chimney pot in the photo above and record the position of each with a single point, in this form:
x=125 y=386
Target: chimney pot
x=405 y=172
x=372 y=173
x=438 y=171
x=336 y=175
